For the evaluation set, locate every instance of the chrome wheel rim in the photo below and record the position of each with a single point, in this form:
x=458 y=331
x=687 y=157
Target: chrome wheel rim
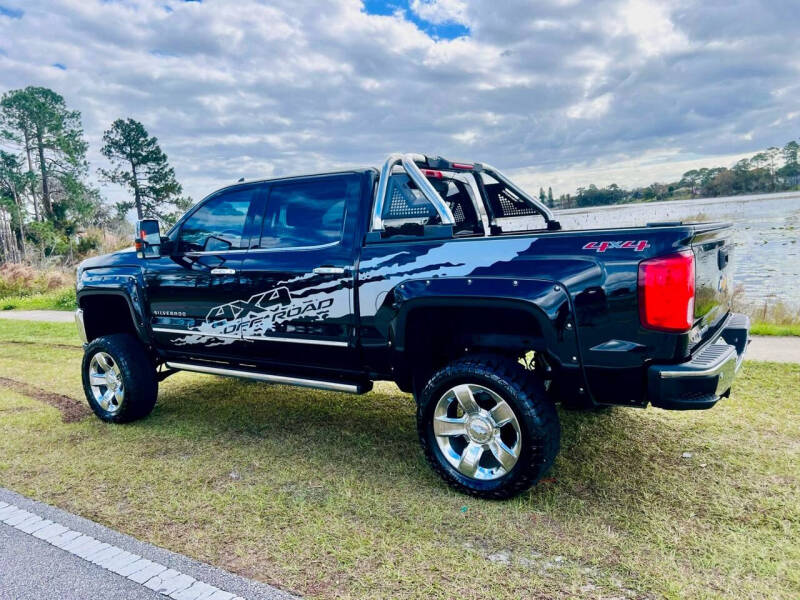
x=477 y=431
x=105 y=379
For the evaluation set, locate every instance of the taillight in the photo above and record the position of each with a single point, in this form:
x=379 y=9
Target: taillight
x=431 y=173
x=666 y=292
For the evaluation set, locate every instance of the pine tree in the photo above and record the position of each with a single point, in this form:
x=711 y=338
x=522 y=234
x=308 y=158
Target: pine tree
x=51 y=137
x=13 y=182
x=140 y=165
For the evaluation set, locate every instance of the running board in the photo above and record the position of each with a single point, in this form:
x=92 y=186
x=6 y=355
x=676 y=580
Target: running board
x=319 y=384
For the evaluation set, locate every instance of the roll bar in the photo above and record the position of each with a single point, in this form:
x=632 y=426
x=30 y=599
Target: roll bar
x=546 y=212
x=409 y=164
x=411 y=168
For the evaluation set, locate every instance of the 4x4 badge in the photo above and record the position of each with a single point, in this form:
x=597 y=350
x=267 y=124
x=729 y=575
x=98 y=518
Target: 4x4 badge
x=618 y=245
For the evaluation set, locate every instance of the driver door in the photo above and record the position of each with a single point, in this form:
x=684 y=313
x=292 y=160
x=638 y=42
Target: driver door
x=195 y=295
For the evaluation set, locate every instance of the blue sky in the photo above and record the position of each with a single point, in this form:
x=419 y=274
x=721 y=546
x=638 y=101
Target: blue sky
x=557 y=92
x=11 y=13
x=447 y=29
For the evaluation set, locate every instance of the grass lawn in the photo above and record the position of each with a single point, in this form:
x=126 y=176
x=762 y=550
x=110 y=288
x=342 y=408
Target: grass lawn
x=328 y=495
x=762 y=328
x=58 y=299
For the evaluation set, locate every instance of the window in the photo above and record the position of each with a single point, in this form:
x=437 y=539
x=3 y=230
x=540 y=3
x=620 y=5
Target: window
x=218 y=225
x=308 y=213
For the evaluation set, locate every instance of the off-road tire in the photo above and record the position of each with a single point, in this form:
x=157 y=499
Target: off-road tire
x=138 y=377
x=535 y=412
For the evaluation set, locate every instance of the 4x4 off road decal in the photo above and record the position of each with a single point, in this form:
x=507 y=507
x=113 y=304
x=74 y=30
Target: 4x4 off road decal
x=241 y=309
x=636 y=246
x=264 y=312
x=258 y=316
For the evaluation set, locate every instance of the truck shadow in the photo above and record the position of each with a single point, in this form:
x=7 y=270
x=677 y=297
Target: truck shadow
x=374 y=435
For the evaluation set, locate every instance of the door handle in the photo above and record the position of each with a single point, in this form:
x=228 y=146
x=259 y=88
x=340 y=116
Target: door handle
x=328 y=270
x=223 y=271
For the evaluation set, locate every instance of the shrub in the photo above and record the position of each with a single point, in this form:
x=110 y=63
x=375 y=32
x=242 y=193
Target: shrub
x=20 y=280
x=16 y=279
x=66 y=299
x=89 y=242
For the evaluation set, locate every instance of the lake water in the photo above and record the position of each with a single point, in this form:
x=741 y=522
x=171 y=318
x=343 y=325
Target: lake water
x=766 y=232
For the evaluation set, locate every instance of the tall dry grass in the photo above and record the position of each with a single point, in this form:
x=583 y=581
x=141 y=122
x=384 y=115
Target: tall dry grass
x=18 y=279
x=768 y=310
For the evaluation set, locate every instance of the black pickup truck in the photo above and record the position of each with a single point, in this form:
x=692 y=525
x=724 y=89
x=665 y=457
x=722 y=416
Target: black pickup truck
x=444 y=277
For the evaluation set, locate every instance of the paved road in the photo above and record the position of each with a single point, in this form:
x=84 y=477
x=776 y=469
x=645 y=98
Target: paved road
x=769 y=348
x=32 y=569
x=775 y=349
x=53 y=316
x=76 y=559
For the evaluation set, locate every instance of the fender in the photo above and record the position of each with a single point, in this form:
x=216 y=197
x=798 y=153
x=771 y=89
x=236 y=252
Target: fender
x=546 y=301
x=124 y=281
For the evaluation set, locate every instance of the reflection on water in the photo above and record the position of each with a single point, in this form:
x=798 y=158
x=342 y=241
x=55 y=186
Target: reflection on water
x=766 y=232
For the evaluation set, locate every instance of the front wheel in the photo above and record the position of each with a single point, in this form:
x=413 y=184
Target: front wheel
x=119 y=379
x=487 y=426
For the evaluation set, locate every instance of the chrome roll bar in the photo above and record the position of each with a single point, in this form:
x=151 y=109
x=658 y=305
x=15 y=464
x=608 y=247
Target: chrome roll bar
x=413 y=171
x=383 y=186
x=408 y=162
x=428 y=190
x=546 y=212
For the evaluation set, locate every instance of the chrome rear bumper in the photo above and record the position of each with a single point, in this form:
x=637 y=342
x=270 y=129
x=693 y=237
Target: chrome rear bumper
x=700 y=382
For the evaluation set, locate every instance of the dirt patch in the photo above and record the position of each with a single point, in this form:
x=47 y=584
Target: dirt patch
x=71 y=410
x=49 y=345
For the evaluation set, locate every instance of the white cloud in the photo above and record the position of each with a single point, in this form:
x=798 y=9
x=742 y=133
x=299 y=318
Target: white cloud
x=650 y=23
x=254 y=88
x=441 y=11
x=590 y=109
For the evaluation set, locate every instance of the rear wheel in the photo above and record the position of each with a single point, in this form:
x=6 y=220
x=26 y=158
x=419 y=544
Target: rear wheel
x=119 y=379
x=487 y=426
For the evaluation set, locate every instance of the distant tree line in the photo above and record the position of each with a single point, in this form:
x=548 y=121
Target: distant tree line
x=46 y=202
x=773 y=170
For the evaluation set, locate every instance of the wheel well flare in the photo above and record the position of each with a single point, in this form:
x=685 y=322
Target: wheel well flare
x=105 y=314
x=436 y=335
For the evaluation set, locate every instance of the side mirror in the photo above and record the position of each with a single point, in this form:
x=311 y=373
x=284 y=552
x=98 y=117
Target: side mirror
x=148 y=239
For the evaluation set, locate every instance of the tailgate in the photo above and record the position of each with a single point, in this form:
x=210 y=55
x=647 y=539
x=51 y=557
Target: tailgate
x=713 y=250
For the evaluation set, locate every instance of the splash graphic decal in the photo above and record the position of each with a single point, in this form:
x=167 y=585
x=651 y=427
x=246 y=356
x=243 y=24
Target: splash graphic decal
x=260 y=315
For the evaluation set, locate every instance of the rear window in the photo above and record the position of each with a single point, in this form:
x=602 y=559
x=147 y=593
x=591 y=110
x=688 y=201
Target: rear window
x=309 y=212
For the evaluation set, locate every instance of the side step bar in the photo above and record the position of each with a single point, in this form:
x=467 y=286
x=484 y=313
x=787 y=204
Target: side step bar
x=335 y=386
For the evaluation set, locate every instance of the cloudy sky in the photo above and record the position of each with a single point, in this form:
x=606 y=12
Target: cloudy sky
x=558 y=92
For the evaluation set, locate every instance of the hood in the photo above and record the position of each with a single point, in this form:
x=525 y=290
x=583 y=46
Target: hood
x=120 y=257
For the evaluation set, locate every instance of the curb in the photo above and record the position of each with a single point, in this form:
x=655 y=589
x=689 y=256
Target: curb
x=166 y=572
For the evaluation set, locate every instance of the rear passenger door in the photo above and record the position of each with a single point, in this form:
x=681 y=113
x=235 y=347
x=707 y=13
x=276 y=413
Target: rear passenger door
x=300 y=276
